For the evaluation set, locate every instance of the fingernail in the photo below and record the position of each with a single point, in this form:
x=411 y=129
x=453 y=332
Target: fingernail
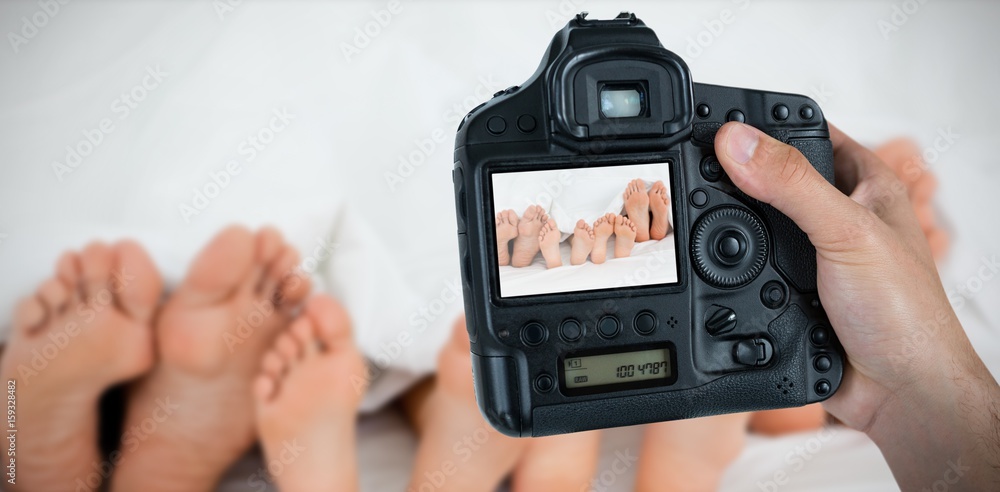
x=742 y=143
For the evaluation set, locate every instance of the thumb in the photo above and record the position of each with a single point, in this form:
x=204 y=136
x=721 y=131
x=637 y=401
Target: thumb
x=781 y=176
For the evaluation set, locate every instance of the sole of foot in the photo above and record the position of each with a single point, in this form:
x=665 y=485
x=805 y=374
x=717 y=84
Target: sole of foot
x=604 y=227
x=453 y=433
x=659 y=205
x=506 y=225
x=307 y=398
x=548 y=241
x=240 y=292
x=582 y=243
x=625 y=232
x=637 y=208
x=526 y=244
x=83 y=331
x=690 y=455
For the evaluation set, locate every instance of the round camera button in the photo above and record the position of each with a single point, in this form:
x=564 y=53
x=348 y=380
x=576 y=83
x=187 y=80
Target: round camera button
x=699 y=198
x=780 y=112
x=736 y=115
x=704 y=111
x=820 y=336
x=533 y=334
x=729 y=247
x=571 y=330
x=773 y=294
x=526 y=123
x=544 y=383
x=645 y=323
x=711 y=169
x=823 y=387
x=806 y=112
x=822 y=363
x=608 y=327
x=496 y=125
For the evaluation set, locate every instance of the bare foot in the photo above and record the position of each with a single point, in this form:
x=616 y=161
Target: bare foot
x=604 y=227
x=659 y=204
x=637 y=208
x=625 y=233
x=84 y=331
x=459 y=451
x=905 y=158
x=548 y=240
x=238 y=295
x=582 y=243
x=558 y=463
x=690 y=455
x=526 y=244
x=506 y=231
x=307 y=405
x=788 y=420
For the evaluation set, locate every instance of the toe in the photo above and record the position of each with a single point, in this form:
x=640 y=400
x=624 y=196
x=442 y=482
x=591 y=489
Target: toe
x=330 y=319
x=137 y=282
x=279 y=272
x=68 y=271
x=269 y=246
x=288 y=348
x=29 y=315
x=264 y=388
x=303 y=332
x=221 y=267
x=273 y=364
x=95 y=265
x=54 y=295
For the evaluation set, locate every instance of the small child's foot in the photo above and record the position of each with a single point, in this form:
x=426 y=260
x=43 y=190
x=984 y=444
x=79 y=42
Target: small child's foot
x=91 y=323
x=637 y=208
x=306 y=402
x=905 y=158
x=454 y=437
x=625 y=233
x=548 y=241
x=526 y=243
x=604 y=227
x=689 y=455
x=787 y=420
x=582 y=243
x=566 y=462
x=659 y=205
x=506 y=231
x=239 y=294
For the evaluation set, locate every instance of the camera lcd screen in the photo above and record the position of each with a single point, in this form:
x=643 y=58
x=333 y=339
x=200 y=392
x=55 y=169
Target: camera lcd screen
x=594 y=228
x=611 y=369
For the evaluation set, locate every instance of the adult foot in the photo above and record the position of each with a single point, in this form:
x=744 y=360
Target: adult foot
x=637 y=208
x=83 y=331
x=548 y=240
x=905 y=158
x=604 y=227
x=307 y=405
x=625 y=234
x=239 y=294
x=506 y=231
x=659 y=205
x=689 y=455
x=458 y=450
x=582 y=243
x=526 y=244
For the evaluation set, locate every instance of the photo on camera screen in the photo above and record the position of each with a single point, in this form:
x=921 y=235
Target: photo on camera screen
x=574 y=230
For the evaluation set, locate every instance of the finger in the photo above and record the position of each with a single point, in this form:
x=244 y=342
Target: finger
x=780 y=175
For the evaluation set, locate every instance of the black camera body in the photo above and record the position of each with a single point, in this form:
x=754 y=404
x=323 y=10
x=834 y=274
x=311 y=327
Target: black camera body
x=720 y=316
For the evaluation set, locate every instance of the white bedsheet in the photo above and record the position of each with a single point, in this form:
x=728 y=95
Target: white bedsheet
x=374 y=130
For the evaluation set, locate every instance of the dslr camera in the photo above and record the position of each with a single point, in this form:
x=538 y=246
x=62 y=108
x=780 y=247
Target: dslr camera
x=715 y=312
